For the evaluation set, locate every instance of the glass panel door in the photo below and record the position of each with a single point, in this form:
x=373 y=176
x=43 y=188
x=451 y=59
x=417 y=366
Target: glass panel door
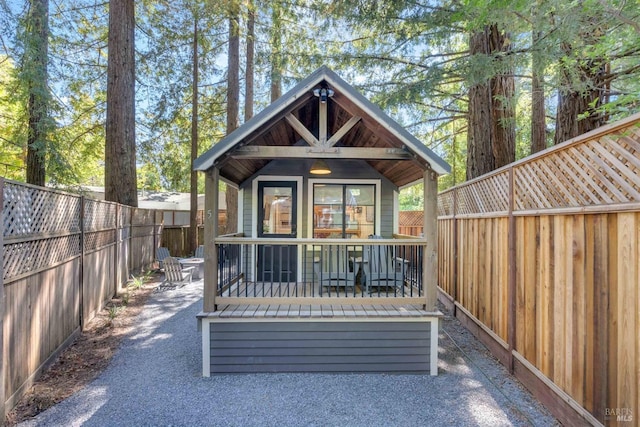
x=277 y=218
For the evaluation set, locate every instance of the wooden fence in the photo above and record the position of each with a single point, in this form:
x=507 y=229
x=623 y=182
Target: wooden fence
x=541 y=260
x=63 y=258
x=176 y=237
x=410 y=223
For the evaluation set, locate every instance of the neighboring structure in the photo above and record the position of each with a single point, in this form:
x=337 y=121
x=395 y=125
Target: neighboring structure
x=302 y=287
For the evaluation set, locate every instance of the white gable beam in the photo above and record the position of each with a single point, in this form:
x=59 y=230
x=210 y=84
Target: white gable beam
x=302 y=130
x=343 y=131
x=282 y=152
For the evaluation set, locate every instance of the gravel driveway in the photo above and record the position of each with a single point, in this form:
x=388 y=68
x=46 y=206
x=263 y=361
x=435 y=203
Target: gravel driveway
x=155 y=380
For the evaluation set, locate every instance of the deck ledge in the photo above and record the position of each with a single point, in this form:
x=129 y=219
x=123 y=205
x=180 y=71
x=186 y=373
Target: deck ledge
x=355 y=312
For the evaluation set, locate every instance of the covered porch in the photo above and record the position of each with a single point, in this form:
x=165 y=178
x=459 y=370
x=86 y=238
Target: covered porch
x=317 y=278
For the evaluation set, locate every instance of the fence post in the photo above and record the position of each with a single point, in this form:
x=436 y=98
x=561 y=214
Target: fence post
x=117 y=251
x=3 y=347
x=454 y=291
x=430 y=224
x=511 y=260
x=155 y=233
x=82 y=255
x=129 y=260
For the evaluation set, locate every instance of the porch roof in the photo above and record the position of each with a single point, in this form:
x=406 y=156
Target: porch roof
x=291 y=128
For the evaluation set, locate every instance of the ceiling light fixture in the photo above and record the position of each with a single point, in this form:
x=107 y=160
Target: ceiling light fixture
x=320 y=167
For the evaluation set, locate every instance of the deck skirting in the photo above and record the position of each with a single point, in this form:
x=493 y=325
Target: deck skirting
x=337 y=339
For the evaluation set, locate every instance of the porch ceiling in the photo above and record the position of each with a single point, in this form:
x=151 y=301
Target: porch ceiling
x=374 y=137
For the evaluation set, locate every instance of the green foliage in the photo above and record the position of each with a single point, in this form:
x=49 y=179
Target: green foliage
x=410 y=58
x=412 y=198
x=12 y=134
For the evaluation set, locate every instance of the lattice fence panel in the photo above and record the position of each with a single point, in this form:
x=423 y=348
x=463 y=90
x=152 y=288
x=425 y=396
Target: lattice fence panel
x=99 y=239
x=445 y=203
x=143 y=217
x=24 y=257
x=99 y=215
x=124 y=216
x=124 y=222
x=601 y=171
x=31 y=211
x=142 y=230
x=490 y=194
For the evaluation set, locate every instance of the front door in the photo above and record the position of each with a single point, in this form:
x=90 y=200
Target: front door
x=277 y=218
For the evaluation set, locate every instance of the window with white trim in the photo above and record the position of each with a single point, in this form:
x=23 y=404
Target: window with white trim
x=343 y=210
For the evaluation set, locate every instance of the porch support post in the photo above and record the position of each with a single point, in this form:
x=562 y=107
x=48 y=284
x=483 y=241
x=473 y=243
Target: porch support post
x=430 y=257
x=210 y=233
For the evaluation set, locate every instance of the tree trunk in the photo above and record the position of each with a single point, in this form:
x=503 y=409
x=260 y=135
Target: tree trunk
x=479 y=151
x=120 y=145
x=538 y=114
x=491 y=135
x=233 y=96
x=36 y=72
x=574 y=103
x=276 y=53
x=249 y=69
x=193 y=213
x=503 y=89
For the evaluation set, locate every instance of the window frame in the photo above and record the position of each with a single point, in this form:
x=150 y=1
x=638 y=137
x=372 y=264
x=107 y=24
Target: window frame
x=334 y=181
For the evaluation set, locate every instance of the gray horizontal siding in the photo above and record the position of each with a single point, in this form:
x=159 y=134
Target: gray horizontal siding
x=401 y=347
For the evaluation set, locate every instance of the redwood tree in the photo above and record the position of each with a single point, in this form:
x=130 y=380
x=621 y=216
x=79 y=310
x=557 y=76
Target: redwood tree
x=193 y=214
x=538 y=121
x=233 y=103
x=277 y=66
x=582 y=90
x=35 y=73
x=491 y=132
x=120 y=144
x=250 y=54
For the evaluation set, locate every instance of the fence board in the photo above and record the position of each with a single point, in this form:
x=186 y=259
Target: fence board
x=577 y=262
x=628 y=337
x=63 y=258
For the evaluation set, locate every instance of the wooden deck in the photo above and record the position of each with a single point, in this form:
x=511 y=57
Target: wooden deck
x=286 y=311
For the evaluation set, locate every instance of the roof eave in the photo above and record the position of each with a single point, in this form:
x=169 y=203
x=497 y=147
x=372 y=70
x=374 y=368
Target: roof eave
x=208 y=159
x=414 y=144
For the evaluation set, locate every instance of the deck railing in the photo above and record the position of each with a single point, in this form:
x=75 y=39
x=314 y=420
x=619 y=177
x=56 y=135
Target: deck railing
x=301 y=269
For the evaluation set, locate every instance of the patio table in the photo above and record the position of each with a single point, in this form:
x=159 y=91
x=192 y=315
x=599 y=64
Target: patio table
x=197 y=263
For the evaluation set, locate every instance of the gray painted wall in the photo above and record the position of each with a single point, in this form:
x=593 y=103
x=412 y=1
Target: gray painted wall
x=317 y=346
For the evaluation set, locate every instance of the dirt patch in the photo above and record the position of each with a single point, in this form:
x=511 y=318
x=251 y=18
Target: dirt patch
x=88 y=356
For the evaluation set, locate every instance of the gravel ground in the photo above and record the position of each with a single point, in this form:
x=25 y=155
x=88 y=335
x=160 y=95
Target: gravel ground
x=155 y=379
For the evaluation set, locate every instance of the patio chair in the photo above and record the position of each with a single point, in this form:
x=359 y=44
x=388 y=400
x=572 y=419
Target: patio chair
x=383 y=268
x=199 y=252
x=161 y=254
x=174 y=274
x=331 y=267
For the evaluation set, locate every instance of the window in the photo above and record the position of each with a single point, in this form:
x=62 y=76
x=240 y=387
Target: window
x=343 y=210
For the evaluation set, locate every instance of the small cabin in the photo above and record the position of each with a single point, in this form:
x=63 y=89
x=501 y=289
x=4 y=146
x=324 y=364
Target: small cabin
x=317 y=278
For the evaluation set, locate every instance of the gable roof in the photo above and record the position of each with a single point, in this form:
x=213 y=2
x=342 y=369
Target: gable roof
x=375 y=129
